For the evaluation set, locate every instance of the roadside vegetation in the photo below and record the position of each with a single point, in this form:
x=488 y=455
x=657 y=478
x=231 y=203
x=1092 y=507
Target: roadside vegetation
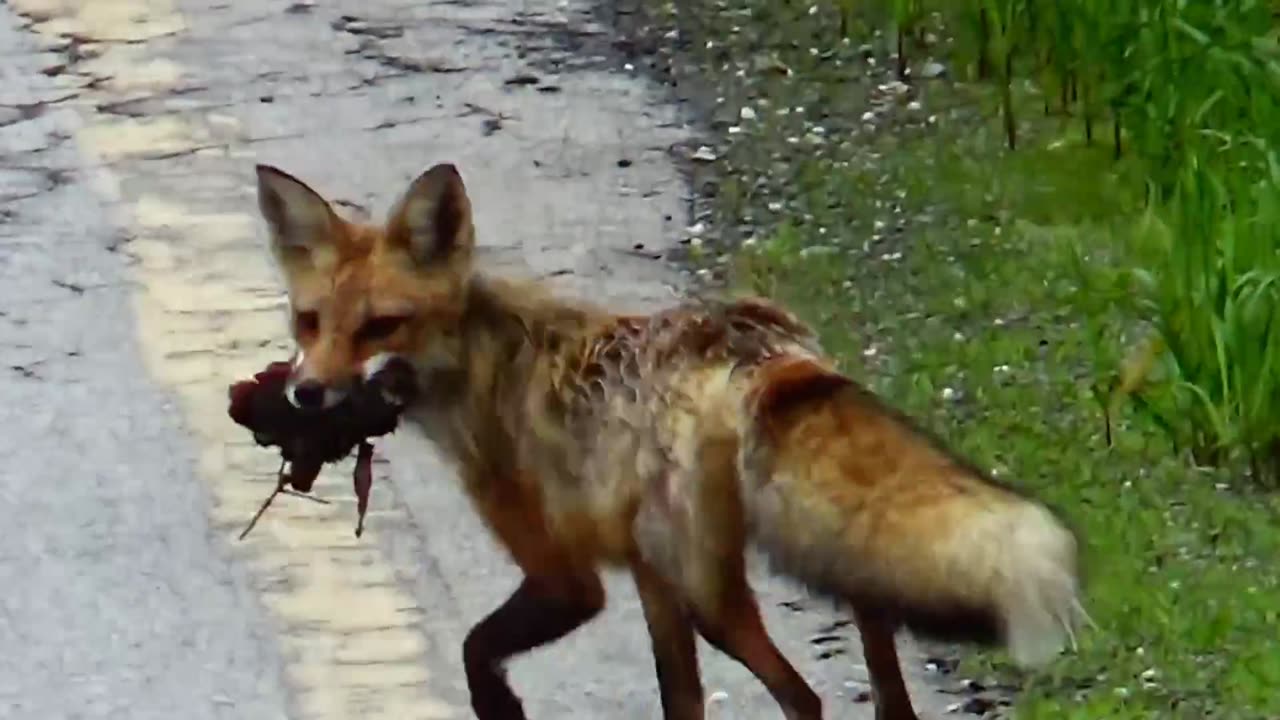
x=1051 y=230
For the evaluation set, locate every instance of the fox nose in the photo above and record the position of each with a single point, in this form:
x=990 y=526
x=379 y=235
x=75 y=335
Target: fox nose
x=308 y=394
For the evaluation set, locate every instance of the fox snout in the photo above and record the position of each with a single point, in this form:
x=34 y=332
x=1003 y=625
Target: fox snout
x=307 y=392
x=313 y=395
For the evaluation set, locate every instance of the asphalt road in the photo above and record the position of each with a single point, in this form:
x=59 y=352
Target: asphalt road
x=134 y=285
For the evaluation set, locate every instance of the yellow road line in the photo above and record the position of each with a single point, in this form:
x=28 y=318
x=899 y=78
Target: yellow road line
x=348 y=640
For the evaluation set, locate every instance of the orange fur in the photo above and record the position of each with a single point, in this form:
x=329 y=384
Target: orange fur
x=664 y=443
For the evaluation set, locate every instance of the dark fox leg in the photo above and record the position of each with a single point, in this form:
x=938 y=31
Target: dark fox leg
x=540 y=611
x=736 y=629
x=675 y=652
x=887 y=686
x=559 y=593
x=698 y=543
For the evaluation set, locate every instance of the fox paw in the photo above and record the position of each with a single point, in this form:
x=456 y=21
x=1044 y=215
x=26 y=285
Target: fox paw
x=497 y=703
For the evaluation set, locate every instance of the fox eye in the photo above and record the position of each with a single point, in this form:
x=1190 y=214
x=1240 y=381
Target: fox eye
x=380 y=328
x=307 y=321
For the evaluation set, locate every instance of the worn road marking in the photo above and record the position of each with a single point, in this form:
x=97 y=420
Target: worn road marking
x=347 y=630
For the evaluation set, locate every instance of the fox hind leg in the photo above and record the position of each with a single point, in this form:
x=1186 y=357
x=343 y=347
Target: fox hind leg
x=691 y=529
x=732 y=623
x=887 y=686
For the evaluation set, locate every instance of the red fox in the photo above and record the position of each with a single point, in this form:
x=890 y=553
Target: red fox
x=663 y=444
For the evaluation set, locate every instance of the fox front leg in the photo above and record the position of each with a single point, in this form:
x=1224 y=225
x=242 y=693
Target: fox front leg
x=540 y=611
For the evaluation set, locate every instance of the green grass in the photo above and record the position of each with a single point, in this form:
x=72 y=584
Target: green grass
x=991 y=294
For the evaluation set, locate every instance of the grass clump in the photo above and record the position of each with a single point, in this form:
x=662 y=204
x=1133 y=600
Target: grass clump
x=1189 y=91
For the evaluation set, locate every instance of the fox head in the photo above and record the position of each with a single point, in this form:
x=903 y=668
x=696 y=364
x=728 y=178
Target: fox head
x=361 y=295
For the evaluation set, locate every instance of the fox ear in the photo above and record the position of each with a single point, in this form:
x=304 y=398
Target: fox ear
x=298 y=218
x=432 y=220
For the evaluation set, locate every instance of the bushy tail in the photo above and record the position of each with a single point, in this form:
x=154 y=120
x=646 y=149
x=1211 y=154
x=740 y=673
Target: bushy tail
x=848 y=496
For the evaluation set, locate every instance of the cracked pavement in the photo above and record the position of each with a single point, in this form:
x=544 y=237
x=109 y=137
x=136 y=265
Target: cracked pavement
x=136 y=286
